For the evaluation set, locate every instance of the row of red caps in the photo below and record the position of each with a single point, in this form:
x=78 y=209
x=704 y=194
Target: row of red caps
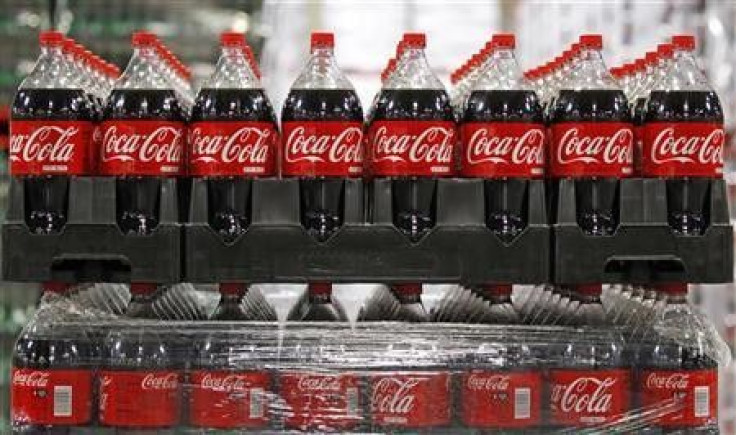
x=79 y=53
x=652 y=58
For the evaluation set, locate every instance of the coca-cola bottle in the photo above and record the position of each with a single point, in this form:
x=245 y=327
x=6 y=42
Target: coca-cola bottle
x=322 y=122
x=592 y=138
x=502 y=387
x=319 y=305
x=142 y=137
x=411 y=138
x=678 y=376
x=140 y=373
x=683 y=138
x=233 y=138
x=51 y=125
x=412 y=391
x=503 y=139
x=589 y=380
x=228 y=385
x=52 y=375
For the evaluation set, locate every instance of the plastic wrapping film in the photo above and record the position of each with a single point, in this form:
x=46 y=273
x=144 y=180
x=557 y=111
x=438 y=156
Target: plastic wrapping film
x=78 y=366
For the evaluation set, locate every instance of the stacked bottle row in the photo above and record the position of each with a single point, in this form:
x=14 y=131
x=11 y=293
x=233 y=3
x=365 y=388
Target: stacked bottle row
x=77 y=369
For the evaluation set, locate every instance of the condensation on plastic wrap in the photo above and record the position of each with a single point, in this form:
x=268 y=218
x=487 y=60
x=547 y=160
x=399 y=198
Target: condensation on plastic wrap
x=80 y=366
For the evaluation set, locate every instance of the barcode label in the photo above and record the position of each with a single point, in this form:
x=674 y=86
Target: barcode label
x=522 y=405
x=62 y=401
x=256 y=402
x=702 y=401
x=351 y=397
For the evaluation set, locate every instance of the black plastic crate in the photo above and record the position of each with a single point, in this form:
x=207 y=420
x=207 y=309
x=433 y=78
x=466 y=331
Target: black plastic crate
x=91 y=247
x=276 y=247
x=643 y=248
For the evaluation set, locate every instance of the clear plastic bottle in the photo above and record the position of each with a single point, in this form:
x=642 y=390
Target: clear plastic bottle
x=319 y=306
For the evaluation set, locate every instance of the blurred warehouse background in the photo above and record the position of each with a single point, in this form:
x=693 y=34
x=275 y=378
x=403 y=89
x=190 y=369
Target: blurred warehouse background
x=366 y=35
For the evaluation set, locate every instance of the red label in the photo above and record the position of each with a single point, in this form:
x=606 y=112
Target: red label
x=50 y=397
x=141 y=147
x=424 y=148
x=410 y=399
x=502 y=149
x=322 y=148
x=228 y=400
x=321 y=401
x=501 y=399
x=600 y=149
x=232 y=148
x=683 y=149
x=139 y=399
x=691 y=396
x=588 y=397
x=50 y=147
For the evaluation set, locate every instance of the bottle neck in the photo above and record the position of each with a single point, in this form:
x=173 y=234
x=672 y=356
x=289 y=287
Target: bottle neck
x=684 y=74
x=51 y=71
x=322 y=72
x=502 y=73
x=143 y=71
x=232 y=71
x=413 y=72
x=591 y=73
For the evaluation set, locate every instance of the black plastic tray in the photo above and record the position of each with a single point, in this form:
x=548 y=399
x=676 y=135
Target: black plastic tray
x=91 y=247
x=276 y=248
x=643 y=248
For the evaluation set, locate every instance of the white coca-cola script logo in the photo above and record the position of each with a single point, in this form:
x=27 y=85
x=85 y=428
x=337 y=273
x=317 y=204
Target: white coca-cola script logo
x=32 y=379
x=688 y=149
x=611 y=149
x=44 y=144
x=162 y=145
x=432 y=145
x=527 y=149
x=675 y=381
x=394 y=396
x=344 y=147
x=319 y=383
x=488 y=382
x=167 y=381
x=223 y=383
x=245 y=145
x=585 y=395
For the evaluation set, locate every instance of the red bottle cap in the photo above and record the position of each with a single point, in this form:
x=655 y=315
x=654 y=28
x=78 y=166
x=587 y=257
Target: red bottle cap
x=322 y=40
x=400 y=47
x=55 y=287
x=504 y=40
x=592 y=41
x=408 y=289
x=144 y=38
x=665 y=51
x=640 y=64
x=232 y=288
x=575 y=48
x=140 y=288
x=51 y=37
x=651 y=58
x=672 y=288
x=684 y=42
x=498 y=289
x=69 y=45
x=232 y=39
x=588 y=289
x=415 y=40
x=320 y=288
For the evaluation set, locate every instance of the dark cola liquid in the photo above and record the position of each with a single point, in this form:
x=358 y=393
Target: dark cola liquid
x=46 y=196
x=687 y=197
x=597 y=213
x=414 y=197
x=322 y=197
x=229 y=205
x=506 y=213
x=47 y=352
x=138 y=196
